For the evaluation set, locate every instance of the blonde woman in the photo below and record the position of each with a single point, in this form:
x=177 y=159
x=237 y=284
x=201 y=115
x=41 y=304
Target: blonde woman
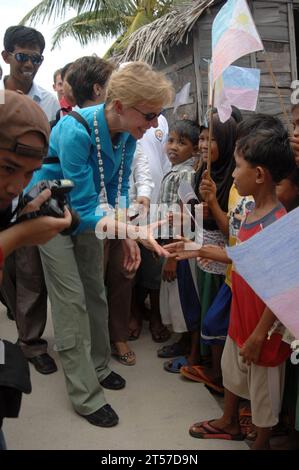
x=97 y=158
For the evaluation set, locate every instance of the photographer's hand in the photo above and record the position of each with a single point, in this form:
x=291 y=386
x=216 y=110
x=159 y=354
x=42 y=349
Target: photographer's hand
x=33 y=232
x=35 y=204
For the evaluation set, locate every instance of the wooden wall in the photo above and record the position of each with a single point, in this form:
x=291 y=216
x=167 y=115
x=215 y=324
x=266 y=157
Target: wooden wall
x=186 y=62
x=272 y=20
x=180 y=69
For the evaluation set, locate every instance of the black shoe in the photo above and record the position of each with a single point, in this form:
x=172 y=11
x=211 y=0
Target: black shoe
x=113 y=381
x=43 y=363
x=105 y=417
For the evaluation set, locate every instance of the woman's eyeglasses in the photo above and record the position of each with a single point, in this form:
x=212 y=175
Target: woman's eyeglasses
x=21 y=57
x=148 y=116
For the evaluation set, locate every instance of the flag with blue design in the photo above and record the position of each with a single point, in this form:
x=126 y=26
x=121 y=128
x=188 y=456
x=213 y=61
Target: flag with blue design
x=237 y=86
x=234 y=35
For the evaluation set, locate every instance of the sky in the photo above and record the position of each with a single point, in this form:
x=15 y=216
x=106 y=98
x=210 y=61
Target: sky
x=11 y=13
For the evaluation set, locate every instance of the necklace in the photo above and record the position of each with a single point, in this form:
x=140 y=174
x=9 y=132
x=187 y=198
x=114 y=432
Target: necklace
x=103 y=200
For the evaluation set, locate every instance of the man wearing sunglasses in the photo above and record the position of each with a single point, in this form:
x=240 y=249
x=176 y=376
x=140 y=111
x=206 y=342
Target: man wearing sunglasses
x=23 y=49
x=24 y=289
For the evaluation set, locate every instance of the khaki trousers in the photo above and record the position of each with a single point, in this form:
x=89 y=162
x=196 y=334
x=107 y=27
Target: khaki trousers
x=73 y=269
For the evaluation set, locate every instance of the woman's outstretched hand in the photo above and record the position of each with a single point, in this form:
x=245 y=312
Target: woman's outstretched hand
x=145 y=235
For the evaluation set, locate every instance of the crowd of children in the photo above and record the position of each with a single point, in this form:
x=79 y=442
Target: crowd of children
x=252 y=364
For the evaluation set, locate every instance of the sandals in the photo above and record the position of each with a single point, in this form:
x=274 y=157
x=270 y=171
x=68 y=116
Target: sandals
x=172 y=350
x=174 y=365
x=161 y=334
x=198 y=374
x=206 y=430
x=127 y=359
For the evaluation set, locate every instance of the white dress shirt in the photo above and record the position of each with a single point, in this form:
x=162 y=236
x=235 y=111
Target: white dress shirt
x=152 y=145
x=141 y=182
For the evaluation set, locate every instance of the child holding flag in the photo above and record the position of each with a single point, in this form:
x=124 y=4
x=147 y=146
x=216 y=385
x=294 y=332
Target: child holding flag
x=210 y=279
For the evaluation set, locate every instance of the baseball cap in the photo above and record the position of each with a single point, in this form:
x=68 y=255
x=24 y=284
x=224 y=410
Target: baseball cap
x=19 y=115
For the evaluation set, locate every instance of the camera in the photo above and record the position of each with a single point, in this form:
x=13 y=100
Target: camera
x=54 y=206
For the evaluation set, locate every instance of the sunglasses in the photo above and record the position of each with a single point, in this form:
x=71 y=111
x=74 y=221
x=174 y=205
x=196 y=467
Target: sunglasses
x=22 y=58
x=148 y=116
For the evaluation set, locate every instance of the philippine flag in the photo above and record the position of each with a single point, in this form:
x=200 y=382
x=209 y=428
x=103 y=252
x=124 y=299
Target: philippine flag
x=234 y=34
x=237 y=86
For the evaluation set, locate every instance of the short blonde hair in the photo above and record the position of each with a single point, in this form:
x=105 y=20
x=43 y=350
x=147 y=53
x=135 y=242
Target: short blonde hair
x=136 y=83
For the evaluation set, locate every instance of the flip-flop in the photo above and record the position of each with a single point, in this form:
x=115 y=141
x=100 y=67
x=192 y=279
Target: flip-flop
x=205 y=430
x=172 y=350
x=190 y=372
x=197 y=373
x=175 y=364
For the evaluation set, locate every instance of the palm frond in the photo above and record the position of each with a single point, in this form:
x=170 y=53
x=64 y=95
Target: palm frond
x=88 y=26
x=126 y=6
x=46 y=9
x=139 y=20
x=54 y=9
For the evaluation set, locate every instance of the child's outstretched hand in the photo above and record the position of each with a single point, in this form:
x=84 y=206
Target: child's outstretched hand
x=251 y=350
x=183 y=249
x=207 y=188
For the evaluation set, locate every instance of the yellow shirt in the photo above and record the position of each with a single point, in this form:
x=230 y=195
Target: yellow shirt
x=238 y=206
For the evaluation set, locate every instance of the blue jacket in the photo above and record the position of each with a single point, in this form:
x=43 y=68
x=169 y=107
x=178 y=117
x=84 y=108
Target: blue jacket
x=77 y=153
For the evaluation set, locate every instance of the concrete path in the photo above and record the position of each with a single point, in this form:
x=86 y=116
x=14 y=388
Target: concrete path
x=156 y=408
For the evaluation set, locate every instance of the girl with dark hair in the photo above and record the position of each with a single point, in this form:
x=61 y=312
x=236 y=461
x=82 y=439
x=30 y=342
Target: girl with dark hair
x=213 y=191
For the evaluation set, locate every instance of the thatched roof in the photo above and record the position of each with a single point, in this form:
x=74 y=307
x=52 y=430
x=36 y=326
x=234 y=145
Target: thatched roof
x=164 y=32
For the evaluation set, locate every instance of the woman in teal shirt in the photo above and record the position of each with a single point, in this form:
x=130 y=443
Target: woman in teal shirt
x=99 y=164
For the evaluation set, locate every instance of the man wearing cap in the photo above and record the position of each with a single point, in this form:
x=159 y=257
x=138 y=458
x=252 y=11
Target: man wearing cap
x=24 y=289
x=24 y=137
